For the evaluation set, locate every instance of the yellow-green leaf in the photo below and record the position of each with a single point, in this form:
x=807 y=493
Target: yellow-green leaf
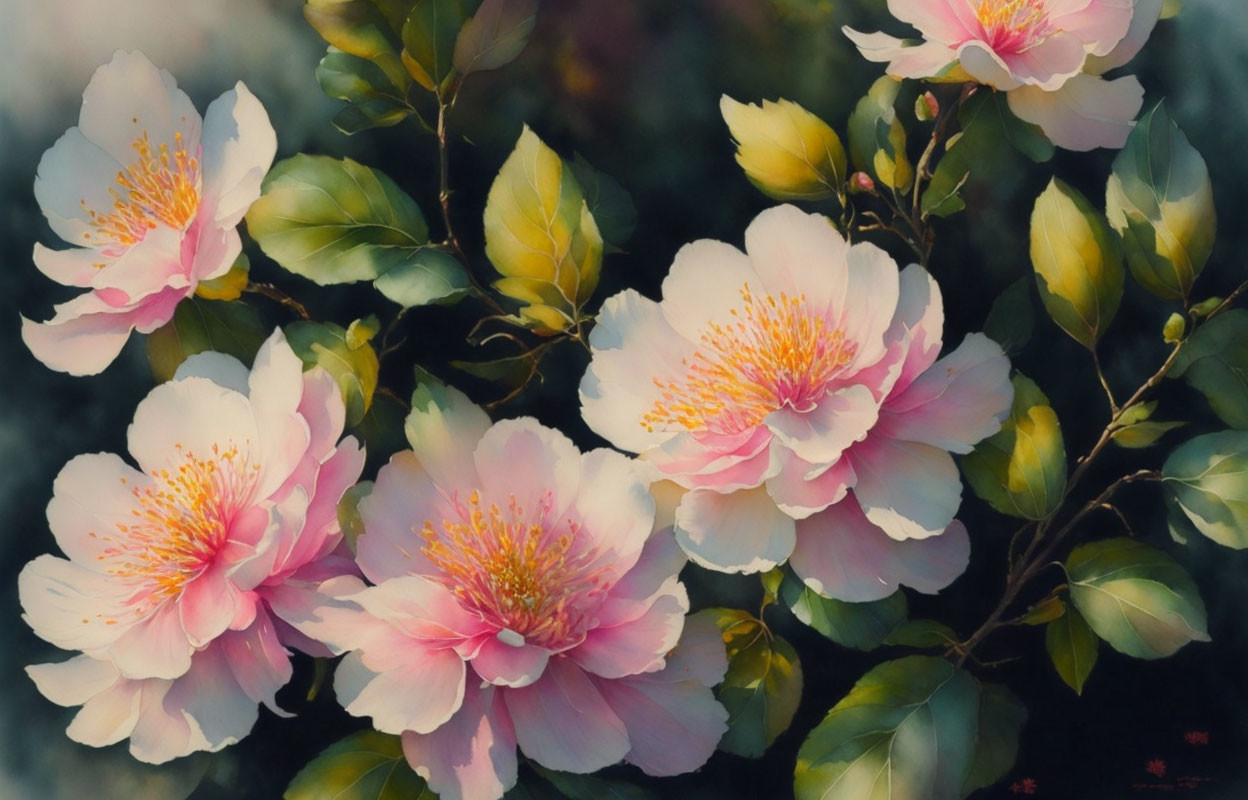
x=364 y=766
x=228 y=286
x=1078 y=264
x=786 y=151
x=353 y=368
x=357 y=27
x=541 y=236
x=494 y=35
x=1072 y=648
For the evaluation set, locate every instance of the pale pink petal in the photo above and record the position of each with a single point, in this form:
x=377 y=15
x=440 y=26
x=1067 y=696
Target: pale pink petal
x=303 y=609
x=910 y=490
x=207 y=605
x=935 y=19
x=77 y=266
x=877 y=47
x=1144 y=18
x=796 y=253
x=276 y=385
x=156 y=647
x=210 y=699
x=1086 y=113
x=706 y=458
x=1048 y=64
x=704 y=285
x=90 y=497
x=500 y=662
x=259 y=662
x=418 y=695
x=144 y=269
x=700 y=656
x=402 y=500
x=108 y=716
x=160 y=735
x=870 y=302
x=1099 y=24
x=322 y=407
x=73 y=682
x=738 y=532
x=673 y=727
x=71 y=606
x=215 y=251
x=238 y=148
x=522 y=458
x=473 y=755
x=320 y=533
x=925 y=60
x=821 y=434
x=562 y=721
x=799 y=495
x=961 y=400
x=916 y=328
x=639 y=644
x=443 y=435
x=841 y=554
x=986 y=67
x=129 y=97
x=635 y=353
x=660 y=560
x=615 y=508
x=422 y=608
x=74 y=172
x=78 y=345
x=190 y=417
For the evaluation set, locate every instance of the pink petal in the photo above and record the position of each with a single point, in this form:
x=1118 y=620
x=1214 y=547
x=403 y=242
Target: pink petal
x=821 y=434
x=738 y=532
x=402 y=500
x=276 y=385
x=418 y=694
x=798 y=495
x=260 y=664
x=1048 y=64
x=563 y=722
x=1086 y=113
x=82 y=345
x=210 y=698
x=841 y=554
x=189 y=417
x=935 y=19
x=700 y=656
x=986 y=66
x=551 y=465
x=320 y=533
x=160 y=735
x=1099 y=24
x=108 y=716
x=504 y=664
x=473 y=755
x=910 y=490
x=75 y=681
x=72 y=173
x=77 y=266
x=673 y=727
x=1144 y=18
x=615 y=508
x=157 y=647
x=869 y=304
x=916 y=329
x=422 y=608
x=961 y=400
x=207 y=605
x=661 y=559
x=794 y=253
x=638 y=645
x=92 y=494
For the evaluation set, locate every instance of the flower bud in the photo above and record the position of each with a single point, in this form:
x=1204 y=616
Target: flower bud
x=786 y=151
x=860 y=183
x=926 y=107
x=1175 y=327
x=1205 y=307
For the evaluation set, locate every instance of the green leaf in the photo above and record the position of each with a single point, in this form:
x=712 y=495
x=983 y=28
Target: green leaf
x=540 y=235
x=349 y=512
x=1012 y=317
x=1214 y=361
x=875 y=107
x=382 y=430
x=426 y=276
x=1142 y=434
x=1207 y=478
x=1160 y=200
x=353 y=368
x=863 y=626
x=1078 y=265
x=592 y=787
x=429 y=40
x=374 y=101
x=364 y=766
x=231 y=327
x=1021 y=469
x=608 y=202
x=925 y=634
x=890 y=163
x=763 y=685
x=510 y=372
x=495 y=35
x=1072 y=648
x=358 y=28
x=1046 y=610
x=1136 y=598
x=906 y=731
x=334 y=221
x=1001 y=720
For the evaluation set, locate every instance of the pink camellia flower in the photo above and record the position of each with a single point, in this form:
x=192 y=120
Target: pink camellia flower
x=179 y=571
x=1047 y=55
x=772 y=383
x=520 y=600
x=151 y=196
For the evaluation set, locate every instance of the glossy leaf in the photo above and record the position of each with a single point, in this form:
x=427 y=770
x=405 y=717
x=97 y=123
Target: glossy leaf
x=353 y=368
x=1078 y=265
x=874 y=124
x=785 y=150
x=230 y=327
x=1135 y=597
x=1160 y=200
x=1021 y=469
x=1001 y=719
x=334 y=221
x=495 y=35
x=1214 y=361
x=1207 y=478
x=891 y=164
x=591 y=787
x=429 y=40
x=906 y=731
x=358 y=28
x=374 y=101
x=540 y=235
x=427 y=275
x=1012 y=317
x=1046 y=610
x=863 y=626
x=609 y=204
x=364 y=766
x=1072 y=647
x=1143 y=434
x=763 y=685
x=925 y=634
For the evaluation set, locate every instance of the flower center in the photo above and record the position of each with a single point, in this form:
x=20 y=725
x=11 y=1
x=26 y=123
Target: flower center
x=775 y=352
x=516 y=569
x=179 y=524
x=160 y=187
x=1012 y=26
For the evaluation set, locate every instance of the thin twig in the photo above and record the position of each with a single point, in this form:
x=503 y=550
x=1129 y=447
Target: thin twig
x=273 y=293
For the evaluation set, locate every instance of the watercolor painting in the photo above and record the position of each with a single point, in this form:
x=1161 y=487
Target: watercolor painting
x=539 y=399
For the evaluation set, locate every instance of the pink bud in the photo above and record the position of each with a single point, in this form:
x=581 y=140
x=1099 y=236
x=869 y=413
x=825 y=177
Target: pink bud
x=926 y=107
x=861 y=182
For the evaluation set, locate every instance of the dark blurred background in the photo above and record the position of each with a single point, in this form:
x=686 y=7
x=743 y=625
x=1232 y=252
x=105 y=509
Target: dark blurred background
x=634 y=87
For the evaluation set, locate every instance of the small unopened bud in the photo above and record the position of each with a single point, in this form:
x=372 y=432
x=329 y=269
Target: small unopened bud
x=1204 y=307
x=1176 y=326
x=861 y=182
x=926 y=107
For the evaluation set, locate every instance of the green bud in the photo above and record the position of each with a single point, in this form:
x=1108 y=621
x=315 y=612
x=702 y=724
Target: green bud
x=1176 y=326
x=1205 y=307
x=926 y=107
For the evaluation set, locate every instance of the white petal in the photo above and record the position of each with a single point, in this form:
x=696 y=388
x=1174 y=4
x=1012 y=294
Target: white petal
x=738 y=532
x=910 y=490
x=1086 y=113
x=239 y=145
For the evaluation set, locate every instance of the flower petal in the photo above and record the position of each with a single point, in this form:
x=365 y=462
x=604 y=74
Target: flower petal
x=156 y=647
x=615 y=508
x=260 y=664
x=524 y=459
x=443 y=436
x=910 y=490
x=636 y=645
x=703 y=286
x=417 y=695
x=71 y=606
x=403 y=498
x=75 y=681
x=209 y=697
x=190 y=417
x=821 y=434
x=91 y=495
x=239 y=144
x=738 y=532
x=1144 y=18
x=505 y=664
x=794 y=253
x=473 y=755
x=799 y=495
x=1086 y=113
x=673 y=727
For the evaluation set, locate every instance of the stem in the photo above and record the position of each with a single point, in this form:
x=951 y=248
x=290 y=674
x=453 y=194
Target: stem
x=273 y=293
x=444 y=191
x=1100 y=374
